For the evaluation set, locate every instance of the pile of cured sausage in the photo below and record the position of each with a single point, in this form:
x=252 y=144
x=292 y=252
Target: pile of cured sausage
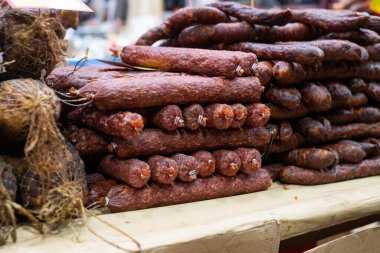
x=234 y=86
x=323 y=94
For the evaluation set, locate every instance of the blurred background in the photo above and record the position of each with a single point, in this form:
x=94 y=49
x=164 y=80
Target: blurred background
x=116 y=23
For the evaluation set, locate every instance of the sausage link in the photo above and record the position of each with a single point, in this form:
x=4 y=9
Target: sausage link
x=290 y=98
x=126 y=125
x=152 y=91
x=228 y=163
x=199 y=36
x=285 y=131
x=361 y=36
x=206 y=162
x=250 y=160
x=348 y=151
x=164 y=170
x=133 y=172
x=189 y=16
x=274 y=131
x=294 y=142
x=122 y=198
x=86 y=141
x=194 y=117
x=219 y=116
x=169 y=118
x=258 y=115
x=197 y=61
x=297 y=175
x=99 y=189
x=316 y=97
x=94 y=177
x=151 y=36
x=240 y=115
x=274 y=170
x=280 y=113
x=188 y=167
x=357 y=85
x=265 y=72
x=374 y=52
x=340 y=93
x=373 y=91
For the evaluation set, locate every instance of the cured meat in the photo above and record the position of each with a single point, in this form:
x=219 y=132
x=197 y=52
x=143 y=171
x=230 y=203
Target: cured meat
x=219 y=116
x=316 y=97
x=334 y=50
x=94 y=177
x=199 y=36
x=151 y=36
x=290 y=98
x=164 y=170
x=374 y=52
x=240 y=115
x=126 y=125
x=86 y=141
x=152 y=91
x=291 y=73
x=253 y=15
x=265 y=72
x=339 y=92
x=373 y=91
x=357 y=85
x=99 y=189
x=169 y=118
x=189 y=16
x=233 y=32
x=312 y=128
x=188 y=167
x=285 y=131
x=283 y=146
x=349 y=151
x=197 y=61
x=133 y=172
x=357 y=100
x=344 y=116
x=361 y=36
x=274 y=170
x=122 y=198
x=258 y=115
x=250 y=160
x=227 y=162
x=206 y=162
x=279 y=113
x=300 y=53
x=194 y=117
x=297 y=175
x=313 y=158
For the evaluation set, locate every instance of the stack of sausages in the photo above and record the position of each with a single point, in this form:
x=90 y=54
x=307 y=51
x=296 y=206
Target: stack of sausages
x=188 y=131
x=321 y=70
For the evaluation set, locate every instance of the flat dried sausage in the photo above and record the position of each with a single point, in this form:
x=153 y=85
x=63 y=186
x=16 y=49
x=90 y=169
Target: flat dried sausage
x=164 y=170
x=126 y=125
x=290 y=98
x=297 y=175
x=188 y=167
x=133 y=172
x=240 y=115
x=227 y=163
x=194 y=117
x=361 y=36
x=250 y=160
x=219 y=116
x=258 y=115
x=169 y=118
x=206 y=162
x=189 y=60
x=152 y=91
x=122 y=198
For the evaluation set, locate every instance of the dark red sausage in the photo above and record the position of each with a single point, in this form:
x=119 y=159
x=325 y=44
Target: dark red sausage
x=169 y=118
x=94 y=177
x=361 y=36
x=133 y=172
x=158 y=91
x=240 y=115
x=274 y=170
x=258 y=115
x=273 y=130
x=122 y=198
x=219 y=116
x=280 y=113
x=289 y=98
x=99 y=189
x=199 y=36
x=295 y=141
x=373 y=91
x=316 y=97
x=297 y=175
x=127 y=125
x=195 y=61
x=87 y=141
x=151 y=36
x=374 y=52
x=349 y=151
x=164 y=170
x=250 y=160
x=188 y=167
x=206 y=162
x=194 y=116
x=286 y=131
x=340 y=93
x=228 y=163
x=265 y=72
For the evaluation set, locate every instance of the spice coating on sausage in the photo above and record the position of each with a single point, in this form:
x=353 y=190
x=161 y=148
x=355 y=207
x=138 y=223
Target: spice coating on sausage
x=258 y=115
x=86 y=141
x=228 y=162
x=127 y=125
x=192 y=15
x=188 y=167
x=297 y=175
x=169 y=118
x=164 y=170
x=250 y=160
x=240 y=115
x=195 y=61
x=122 y=198
x=133 y=172
x=219 y=116
x=152 y=91
x=289 y=98
x=206 y=162
x=194 y=117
